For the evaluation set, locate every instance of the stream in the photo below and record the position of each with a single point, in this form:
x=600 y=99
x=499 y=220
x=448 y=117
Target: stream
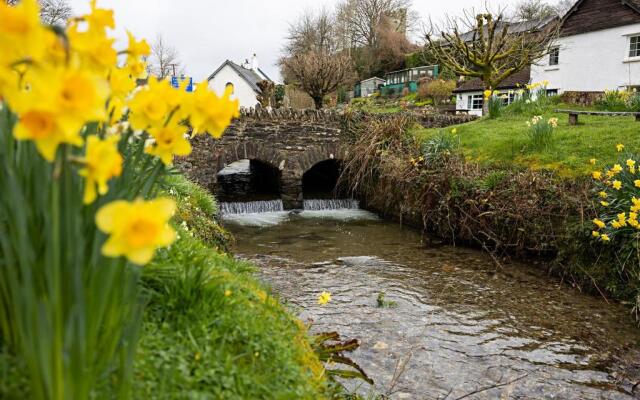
x=452 y=322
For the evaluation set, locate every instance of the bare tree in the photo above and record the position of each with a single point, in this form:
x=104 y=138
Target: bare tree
x=530 y=10
x=485 y=46
x=564 y=6
x=312 y=60
x=55 y=12
x=164 y=60
x=52 y=12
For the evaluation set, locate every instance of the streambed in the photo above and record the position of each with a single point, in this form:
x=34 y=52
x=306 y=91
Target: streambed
x=452 y=322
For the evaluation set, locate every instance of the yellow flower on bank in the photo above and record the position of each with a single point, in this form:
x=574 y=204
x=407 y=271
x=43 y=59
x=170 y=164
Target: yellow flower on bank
x=454 y=131
x=136 y=229
x=619 y=147
x=210 y=113
x=324 y=298
x=605 y=238
x=636 y=183
x=617 y=168
x=617 y=185
x=595 y=234
x=597 y=175
x=168 y=141
x=102 y=162
x=631 y=163
x=592 y=161
x=599 y=223
x=616 y=224
x=603 y=195
x=227 y=293
x=604 y=203
x=137 y=49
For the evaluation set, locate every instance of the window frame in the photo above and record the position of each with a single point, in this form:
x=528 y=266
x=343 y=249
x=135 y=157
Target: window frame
x=554 y=56
x=633 y=46
x=475 y=100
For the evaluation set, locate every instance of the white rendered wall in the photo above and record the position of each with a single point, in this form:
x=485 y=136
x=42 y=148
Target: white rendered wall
x=462 y=101
x=594 y=61
x=241 y=89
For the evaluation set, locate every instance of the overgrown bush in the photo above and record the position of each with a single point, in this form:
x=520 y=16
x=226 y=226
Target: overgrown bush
x=495 y=104
x=437 y=90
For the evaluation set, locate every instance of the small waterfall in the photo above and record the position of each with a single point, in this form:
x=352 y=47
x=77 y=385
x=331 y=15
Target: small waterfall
x=252 y=207
x=331 y=204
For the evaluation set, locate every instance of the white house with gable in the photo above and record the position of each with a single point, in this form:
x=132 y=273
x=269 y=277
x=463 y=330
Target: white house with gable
x=598 y=49
x=243 y=80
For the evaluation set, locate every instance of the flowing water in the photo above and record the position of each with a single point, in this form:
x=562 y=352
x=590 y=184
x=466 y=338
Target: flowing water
x=452 y=322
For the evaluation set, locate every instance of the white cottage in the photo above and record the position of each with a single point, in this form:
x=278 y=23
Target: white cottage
x=242 y=78
x=470 y=94
x=598 y=49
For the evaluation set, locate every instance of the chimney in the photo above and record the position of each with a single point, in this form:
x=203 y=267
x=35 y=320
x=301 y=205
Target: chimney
x=254 y=63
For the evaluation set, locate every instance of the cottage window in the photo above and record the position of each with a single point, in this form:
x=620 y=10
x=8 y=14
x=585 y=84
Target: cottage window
x=475 y=102
x=508 y=98
x=634 y=46
x=229 y=86
x=554 y=56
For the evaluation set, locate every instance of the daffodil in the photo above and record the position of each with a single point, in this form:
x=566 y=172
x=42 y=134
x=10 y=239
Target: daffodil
x=595 y=234
x=603 y=195
x=22 y=36
x=636 y=183
x=604 y=203
x=592 y=161
x=102 y=162
x=597 y=175
x=605 y=238
x=153 y=104
x=617 y=185
x=168 y=141
x=210 y=113
x=136 y=229
x=324 y=298
x=619 y=147
x=599 y=223
x=617 y=168
x=454 y=131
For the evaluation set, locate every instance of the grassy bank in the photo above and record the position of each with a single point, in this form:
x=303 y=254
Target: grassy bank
x=210 y=330
x=504 y=141
x=470 y=187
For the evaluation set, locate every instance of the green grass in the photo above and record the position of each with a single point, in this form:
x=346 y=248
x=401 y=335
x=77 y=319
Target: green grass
x=504 y=142
x=211 y=331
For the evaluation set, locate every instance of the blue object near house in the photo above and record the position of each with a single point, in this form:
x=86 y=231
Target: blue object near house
x=176 y=82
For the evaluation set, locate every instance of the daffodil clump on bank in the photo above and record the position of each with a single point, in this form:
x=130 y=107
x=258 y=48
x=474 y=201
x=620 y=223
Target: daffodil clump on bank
x=84 y=153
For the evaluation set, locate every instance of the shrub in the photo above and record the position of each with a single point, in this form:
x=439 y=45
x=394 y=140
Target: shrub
x=437 y=90
x=633 y=104
x=541 y=131
x=617 y=190
x=405 y=92
x=495 y=104
x=614 y=100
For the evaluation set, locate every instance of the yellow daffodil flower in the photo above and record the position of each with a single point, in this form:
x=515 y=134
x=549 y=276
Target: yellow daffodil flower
x=617 y=185
x=616 y=225
x=151 y=106
x=619 y=147
x=136 y=229
x=454 y=131
x=604 y=203
x=210 y=113
x=597 y=175
x=592 y=161
x=617 y=168
x=631 y=163
x=102 y=162
x=599 y=223
x=169 y=140
x=22 y=35
x=603 y=195
x=595 y=234
x=324 y=298
x=605 y=238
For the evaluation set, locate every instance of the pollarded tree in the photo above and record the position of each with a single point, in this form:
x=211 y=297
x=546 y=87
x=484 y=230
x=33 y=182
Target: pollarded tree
x=312 y=60
x=488 y=47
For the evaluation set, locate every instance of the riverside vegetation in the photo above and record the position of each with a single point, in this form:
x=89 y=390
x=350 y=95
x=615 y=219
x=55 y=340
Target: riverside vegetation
x=114 y=276
x=516 y=183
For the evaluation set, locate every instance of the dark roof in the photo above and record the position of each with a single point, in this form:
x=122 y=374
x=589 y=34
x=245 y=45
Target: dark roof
x=588 y=16
x=519 y=79
x=249 y=75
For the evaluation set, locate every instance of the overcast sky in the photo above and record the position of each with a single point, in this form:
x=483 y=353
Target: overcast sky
x=208 y=32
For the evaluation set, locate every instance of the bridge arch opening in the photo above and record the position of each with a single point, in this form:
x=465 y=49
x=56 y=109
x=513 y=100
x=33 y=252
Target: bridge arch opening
x=249 y=180
x=321 y=180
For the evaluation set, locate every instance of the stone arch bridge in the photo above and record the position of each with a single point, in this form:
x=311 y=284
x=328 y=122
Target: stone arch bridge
x=293 y=141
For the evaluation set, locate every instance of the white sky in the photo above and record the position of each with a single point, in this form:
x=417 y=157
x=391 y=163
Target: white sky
x=207 y=32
